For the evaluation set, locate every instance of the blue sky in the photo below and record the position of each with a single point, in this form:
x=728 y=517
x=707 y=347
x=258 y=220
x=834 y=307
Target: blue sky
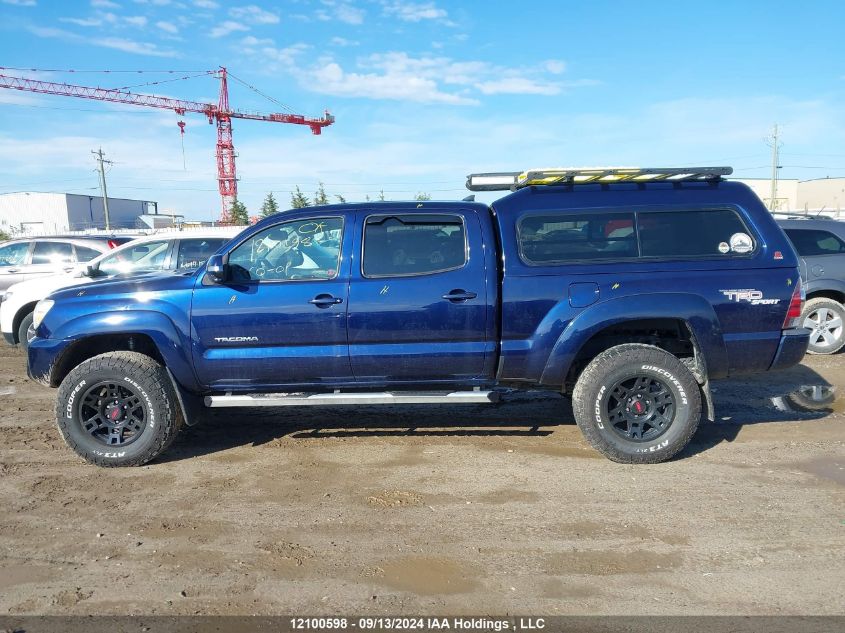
x=424 y=92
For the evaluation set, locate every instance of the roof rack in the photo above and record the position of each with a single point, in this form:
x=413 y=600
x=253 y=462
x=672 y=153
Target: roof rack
x=504 y=180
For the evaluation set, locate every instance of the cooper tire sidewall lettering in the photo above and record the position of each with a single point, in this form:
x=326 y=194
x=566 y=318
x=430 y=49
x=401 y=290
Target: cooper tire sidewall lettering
x=671 y=377
x=72 y=398
x=151 y=416
x=599 y=407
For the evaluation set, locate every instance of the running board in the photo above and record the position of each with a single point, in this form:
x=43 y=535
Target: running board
x=329 y=399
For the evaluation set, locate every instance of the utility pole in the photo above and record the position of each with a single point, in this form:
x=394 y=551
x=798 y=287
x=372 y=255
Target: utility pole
x=100 y=160
x=775 y=150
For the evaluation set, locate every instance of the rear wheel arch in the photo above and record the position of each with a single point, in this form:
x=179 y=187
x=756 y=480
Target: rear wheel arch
x=827 y=293
x=673 y=335
x=688 y=314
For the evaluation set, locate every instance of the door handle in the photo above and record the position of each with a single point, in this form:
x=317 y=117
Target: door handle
x=459 y=295
x=324 y=301
x=12 y=270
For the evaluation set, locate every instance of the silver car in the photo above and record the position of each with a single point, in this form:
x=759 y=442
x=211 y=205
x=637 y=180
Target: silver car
x=24 y=259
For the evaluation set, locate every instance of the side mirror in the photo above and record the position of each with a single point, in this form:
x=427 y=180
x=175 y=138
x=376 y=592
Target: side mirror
x=91 y=271
x=216 y=268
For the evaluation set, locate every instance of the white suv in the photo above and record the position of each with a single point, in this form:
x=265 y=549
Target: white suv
x=164 y=251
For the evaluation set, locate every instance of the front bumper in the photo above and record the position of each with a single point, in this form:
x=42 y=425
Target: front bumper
x=791 y=349
x=43 y=356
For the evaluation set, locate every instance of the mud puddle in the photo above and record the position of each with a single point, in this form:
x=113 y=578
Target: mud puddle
x=426 y=576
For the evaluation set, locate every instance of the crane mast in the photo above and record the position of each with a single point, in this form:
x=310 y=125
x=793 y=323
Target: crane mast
x=221 y=114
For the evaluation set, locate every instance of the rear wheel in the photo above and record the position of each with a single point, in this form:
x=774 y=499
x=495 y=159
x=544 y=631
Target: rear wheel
x=826 y=318
x=23 y=328
x=637 y=404
x=118 y=409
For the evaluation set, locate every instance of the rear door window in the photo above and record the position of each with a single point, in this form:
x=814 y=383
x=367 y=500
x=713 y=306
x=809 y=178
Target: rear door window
x=809 y=242
x=52 y=253
x=548 y=239
x=404 y=245
x=682 y=234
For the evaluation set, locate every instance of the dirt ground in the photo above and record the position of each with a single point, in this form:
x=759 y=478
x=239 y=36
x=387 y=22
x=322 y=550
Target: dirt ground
x=434 y=510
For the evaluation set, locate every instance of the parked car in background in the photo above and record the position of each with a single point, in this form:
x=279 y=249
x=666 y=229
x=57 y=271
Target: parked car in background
x=26 y=258
x=151 y=253
x=820 y=244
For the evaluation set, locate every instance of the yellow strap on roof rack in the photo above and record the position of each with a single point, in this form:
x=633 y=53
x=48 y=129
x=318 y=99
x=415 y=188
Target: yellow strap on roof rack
x=502 y=181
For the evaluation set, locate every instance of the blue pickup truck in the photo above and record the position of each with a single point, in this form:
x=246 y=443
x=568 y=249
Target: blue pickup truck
x=627 y=289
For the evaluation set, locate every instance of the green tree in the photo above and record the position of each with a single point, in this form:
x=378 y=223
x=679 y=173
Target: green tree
x=340 y=198
x=381 y=195
x=320 y=196
x=238 y=214
x=269 y=207
x=5 y=236
x=299 y=200
x=422 y=197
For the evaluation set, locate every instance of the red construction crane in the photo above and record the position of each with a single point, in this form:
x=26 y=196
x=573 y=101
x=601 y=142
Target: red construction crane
x=221 y=113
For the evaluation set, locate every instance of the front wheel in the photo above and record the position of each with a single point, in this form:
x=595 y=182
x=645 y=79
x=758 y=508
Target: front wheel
x=118 y=409
x=637 y=404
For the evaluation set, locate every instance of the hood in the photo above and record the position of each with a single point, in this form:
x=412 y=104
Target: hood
x=127 y=284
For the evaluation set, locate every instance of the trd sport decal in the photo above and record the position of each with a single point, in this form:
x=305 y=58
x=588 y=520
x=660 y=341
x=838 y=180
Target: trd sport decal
x=754 y=297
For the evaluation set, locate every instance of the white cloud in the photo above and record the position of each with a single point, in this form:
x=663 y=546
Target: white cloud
x=206 y=4
x=517 y=85
x=254 y=15
x=159 y=3
x=251 y=40
x=82 y=21
x=229 y=26
x=20 y=3
x=332 y=79
x=555 y=66
x=340 y=11
x=136 y=20
x=342 y=41
x=426 y=79
x=117 y=43
x=132 y=46
x=415 y=12
x=104 y=4
x=168 y=27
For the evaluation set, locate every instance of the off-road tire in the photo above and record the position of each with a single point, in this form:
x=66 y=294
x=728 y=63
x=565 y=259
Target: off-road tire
x=823 y=305
x=23 y=328
x=591 y=397
x=141 y=375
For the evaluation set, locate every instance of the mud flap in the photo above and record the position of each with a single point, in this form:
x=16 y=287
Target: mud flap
x=192 y=406
x=707 y=401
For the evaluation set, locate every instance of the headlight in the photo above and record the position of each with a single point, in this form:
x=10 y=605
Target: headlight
x=41 y=310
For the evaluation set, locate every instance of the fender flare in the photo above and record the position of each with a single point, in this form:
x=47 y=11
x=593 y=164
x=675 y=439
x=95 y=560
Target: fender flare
x=693 y=310
x=174 y=349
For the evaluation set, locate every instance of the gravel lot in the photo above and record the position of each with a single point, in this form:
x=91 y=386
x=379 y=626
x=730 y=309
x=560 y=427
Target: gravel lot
x=431 y=510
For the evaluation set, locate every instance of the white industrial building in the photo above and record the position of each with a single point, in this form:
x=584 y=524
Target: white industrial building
x=820 y=194
x=33 y=213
